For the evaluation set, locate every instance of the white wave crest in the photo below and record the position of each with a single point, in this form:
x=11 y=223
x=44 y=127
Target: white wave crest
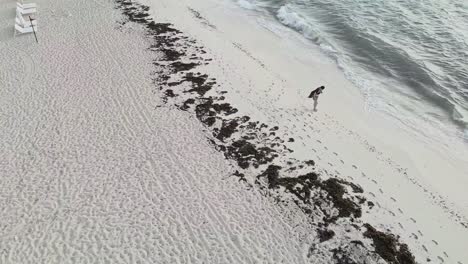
x=460 y=115
x=306 y=25
x=247 y=4
x=288 y=17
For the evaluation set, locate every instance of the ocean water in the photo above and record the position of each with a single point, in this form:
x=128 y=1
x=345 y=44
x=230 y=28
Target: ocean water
x=408 y=58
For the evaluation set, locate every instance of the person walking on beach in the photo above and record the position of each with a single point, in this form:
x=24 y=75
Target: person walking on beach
x=315 y=95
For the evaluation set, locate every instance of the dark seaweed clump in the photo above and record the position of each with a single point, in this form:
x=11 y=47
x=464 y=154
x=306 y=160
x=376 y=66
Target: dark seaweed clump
x=246 y=153
x=325 y=234
x=336 y=191
x=304 y=186
x=388 y=247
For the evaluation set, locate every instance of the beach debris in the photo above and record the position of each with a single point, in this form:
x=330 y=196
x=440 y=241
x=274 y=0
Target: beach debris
x=325 y=234
x=263 y=161
x=388 y=247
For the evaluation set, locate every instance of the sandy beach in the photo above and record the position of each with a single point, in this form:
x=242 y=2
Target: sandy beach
x=160 y=131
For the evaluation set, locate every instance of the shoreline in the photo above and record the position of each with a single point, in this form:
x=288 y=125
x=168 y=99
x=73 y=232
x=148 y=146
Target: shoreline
x=449 y=118
x=254 y=146
x=410 y=173
x=169 y=133
x=96 y=168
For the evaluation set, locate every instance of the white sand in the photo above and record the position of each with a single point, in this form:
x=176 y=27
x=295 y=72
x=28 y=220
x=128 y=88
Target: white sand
x=92 y=170
x=271 y=75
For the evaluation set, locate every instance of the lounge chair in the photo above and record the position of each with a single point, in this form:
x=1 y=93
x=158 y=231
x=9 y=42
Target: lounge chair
x=24 y=10
x=22 y=26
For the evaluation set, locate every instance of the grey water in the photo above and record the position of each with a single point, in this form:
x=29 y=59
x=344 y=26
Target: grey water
x=413 y=50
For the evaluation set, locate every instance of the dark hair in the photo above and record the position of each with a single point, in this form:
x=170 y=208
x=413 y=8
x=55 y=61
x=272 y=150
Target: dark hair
x=322 y=87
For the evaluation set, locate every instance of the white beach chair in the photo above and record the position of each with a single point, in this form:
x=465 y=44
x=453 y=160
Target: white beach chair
x=22 y=26
x=25 y=5
x=26 y=9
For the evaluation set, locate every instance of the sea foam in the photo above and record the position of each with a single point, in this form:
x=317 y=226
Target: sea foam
x=404 y=48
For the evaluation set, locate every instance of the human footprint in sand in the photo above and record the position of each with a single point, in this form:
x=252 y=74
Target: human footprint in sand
x=315 y=95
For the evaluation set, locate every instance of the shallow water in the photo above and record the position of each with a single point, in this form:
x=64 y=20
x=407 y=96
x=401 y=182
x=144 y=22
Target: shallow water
x=409 y=58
